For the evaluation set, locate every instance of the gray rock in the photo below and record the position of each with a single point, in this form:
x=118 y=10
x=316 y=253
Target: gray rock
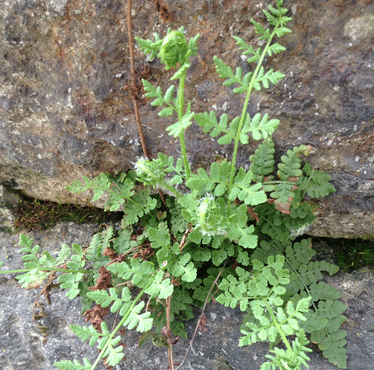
x=64 y=112
x=28 y=344
x=8 y=201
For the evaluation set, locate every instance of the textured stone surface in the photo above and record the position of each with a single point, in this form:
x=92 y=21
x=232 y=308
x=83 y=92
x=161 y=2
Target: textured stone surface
x=64 y=113
x=27 y=344
x=8 y=201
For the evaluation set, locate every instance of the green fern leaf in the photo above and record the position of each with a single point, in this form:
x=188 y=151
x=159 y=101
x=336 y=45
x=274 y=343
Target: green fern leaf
x=184 y=268
x=260 y=127
x=332 y=344
x=300 y=253
x=262 y=162
x=138 y=272
x=35 y=276
x=102 y=297
x=275 y=49
x=159 y=237
x=167 y=111
x=325 y=291
x=264 y=78
x=296 y=358
x=139 y=204
x=218 y=256
x=316 y=184
x=208 y=121
x=225 y=71
x=70 y=282
x=142 y=322
x=281 y=31
x=73 y=365
x=283 y=194
x=186 y=120
x=243 y=46
x=261 y=30
x=149 y=47
x=215 y=182
x=86 y=333
x=113 y=352
x=244 y=190
x=160 y=287
x=291 y=163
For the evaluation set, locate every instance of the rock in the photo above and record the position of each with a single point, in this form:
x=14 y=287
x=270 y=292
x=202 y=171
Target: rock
x=64 y=112
x=8 y=201
x=28 y=344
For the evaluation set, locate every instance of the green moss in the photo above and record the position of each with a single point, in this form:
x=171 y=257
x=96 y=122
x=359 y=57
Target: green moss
x=347 y=254
x=34 y=214
x=354 y=254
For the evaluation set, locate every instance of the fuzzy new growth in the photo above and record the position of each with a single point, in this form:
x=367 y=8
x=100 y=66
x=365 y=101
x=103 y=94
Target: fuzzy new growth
x=173 y=50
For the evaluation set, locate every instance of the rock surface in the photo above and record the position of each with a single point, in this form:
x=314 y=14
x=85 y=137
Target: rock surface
x=64 y=112
x=27 y=344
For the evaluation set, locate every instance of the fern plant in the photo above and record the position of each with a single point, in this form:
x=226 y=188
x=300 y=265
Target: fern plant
x=168 y=254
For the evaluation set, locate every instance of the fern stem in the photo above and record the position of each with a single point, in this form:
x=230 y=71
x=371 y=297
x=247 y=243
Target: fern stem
x=114 y=332
x=245 y=105
x=171 y=189
x=180 y=105
x=46 y=269
x=279 y=328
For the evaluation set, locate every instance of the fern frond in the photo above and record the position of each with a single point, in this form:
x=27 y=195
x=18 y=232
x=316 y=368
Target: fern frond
x=184 y=122
x=105 y=299
x=208 y=121
x=260 y=127
x=39 y=268
x=266 y=34
x=275 y=49
x=160 y=236
x=71 y=283
x=111 y=351
x=283 y=194
x=141 y=321
x=331 y=340
x=244 y=190
x=291 y=163
x=140 y=204
x=245 y=237
x=225 y=71
x=178 y=223
x=215 y=182
x=94 y=252
x=250 y=289
x=119 y=188
x=284 y=359
x=305 y=276
x=155 y=172
x=316 y=183
x=288 y=172
x=161 y=287
x=139 y=273
x=73 y=365
x=150 y=47
x=35 y=275
x=243 y=46
x=262 y=161
x=86 y=333
x=269 y=76
x=308 y=274
x=184 y=268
